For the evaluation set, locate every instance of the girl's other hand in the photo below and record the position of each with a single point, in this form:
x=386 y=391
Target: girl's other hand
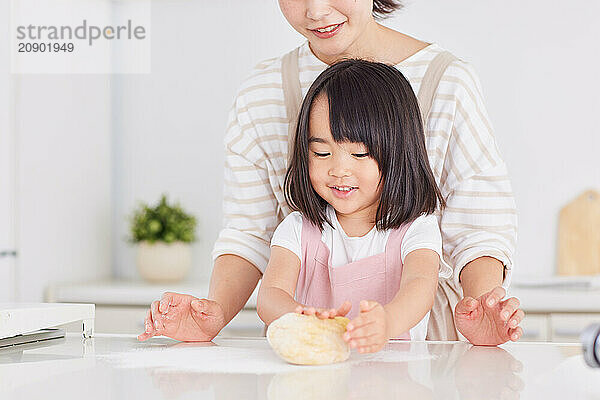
x=368 y=332
x=324 y=313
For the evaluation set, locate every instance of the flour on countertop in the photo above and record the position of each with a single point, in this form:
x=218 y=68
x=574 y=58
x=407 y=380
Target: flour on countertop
x=239 y=360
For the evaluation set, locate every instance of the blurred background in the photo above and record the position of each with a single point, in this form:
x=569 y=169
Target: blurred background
x=78 y=152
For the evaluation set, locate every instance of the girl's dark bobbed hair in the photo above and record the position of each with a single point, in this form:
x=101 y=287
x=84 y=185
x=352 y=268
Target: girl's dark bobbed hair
x=374 y=104
x=383 y=8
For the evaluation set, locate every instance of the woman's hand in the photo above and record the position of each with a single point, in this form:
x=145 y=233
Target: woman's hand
x=323 y=313
x=488 y=373
x=184 y=317
x=368 y=332
x=489 y=320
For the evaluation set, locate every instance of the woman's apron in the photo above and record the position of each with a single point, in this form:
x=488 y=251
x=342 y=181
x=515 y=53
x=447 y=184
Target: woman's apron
x=372 y=278
x=441 y=321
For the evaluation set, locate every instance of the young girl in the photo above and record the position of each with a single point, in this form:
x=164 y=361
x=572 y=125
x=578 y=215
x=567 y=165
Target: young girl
x=363 y=239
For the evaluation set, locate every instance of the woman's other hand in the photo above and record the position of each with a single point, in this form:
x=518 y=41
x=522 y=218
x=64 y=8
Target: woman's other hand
x=495 y=371
x=183 y=317
x=489 y=320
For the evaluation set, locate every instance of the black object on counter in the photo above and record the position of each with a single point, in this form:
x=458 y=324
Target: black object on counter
x=590 y=339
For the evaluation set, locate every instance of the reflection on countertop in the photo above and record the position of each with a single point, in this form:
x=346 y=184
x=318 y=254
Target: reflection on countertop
x=118 y=367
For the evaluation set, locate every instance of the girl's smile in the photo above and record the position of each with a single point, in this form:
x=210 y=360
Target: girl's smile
x=343 y=192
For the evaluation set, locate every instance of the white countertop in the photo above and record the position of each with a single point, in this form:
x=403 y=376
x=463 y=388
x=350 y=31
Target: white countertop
x=125 y=293
x=119 y=367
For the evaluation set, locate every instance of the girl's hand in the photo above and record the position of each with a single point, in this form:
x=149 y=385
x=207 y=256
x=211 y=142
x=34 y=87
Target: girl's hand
x=368 y=331
x=323 y=313
x=489 y=320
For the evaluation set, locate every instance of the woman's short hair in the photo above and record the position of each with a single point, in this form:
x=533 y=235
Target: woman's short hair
x=382 y=8
x=374 y=104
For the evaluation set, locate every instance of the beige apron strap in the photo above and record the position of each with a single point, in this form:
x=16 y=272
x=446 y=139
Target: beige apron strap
x=441 y=320
x=431 y=81
x=292 y=93
x=292 y=97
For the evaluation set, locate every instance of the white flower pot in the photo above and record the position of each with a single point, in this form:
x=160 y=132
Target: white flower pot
x=162 y=262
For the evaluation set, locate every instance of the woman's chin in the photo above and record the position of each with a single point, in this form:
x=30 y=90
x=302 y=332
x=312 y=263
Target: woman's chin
x=329 y=50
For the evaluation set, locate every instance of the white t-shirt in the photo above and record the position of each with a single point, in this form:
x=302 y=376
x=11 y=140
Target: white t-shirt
x=423 y=233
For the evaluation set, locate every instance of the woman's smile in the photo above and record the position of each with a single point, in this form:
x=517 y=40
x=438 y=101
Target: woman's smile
x=327 y=31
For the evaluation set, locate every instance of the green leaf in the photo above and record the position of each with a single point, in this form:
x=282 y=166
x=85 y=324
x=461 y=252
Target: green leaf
x=154 y=226
x=163 y=222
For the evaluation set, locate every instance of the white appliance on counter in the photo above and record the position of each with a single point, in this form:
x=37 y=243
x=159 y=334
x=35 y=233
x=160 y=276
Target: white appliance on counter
x=30 y=322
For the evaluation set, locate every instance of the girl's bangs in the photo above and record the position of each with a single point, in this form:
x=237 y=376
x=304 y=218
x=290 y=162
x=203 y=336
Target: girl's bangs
x=348 y=119
x=358 y=111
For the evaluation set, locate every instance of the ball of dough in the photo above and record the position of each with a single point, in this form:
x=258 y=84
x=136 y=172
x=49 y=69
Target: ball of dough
x=331 y=383
x=308 y=340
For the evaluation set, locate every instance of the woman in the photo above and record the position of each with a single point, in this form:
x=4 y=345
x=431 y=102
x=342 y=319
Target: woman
x=478 y=226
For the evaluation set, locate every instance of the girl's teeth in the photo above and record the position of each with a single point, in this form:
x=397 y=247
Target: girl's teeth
x=347 y=189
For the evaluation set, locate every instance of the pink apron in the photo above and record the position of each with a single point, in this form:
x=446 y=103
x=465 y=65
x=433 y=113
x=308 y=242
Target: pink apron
x=372 y=278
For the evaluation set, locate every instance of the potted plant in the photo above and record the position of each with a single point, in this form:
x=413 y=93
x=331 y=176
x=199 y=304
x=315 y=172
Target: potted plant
x=163 y=235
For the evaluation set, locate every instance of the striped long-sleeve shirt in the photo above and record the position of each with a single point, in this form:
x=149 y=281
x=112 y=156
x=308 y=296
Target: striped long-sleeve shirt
x=480 y=218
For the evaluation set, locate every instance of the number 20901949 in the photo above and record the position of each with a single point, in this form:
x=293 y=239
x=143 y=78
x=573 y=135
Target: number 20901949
x=46 y=47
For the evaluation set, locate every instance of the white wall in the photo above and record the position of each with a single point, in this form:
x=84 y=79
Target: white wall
x=537 y=60
x=87 y=147
x=7 y=220
x=169 y=125
x=55 y=170
x=62 y=153
x=63 y=180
